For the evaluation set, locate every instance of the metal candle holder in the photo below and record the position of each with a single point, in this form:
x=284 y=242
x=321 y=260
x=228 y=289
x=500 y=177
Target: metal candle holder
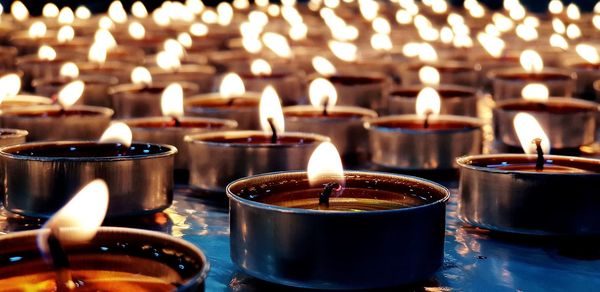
x=140 y=100
x=456 y=100
x=215 y=106
x=508 y=83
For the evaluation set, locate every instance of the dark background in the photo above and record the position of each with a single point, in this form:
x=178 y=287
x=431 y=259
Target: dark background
x=35 y=6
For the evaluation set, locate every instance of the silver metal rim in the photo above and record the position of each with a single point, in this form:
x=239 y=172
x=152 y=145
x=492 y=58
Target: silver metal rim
x=463 y=162
x=200 y=139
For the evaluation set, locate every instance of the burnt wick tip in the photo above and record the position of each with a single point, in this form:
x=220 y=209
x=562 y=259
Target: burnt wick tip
x=176 y=121
x=326 y=194
x=274 y=137
x=539 y=163
x=325 y=105
x=426 y=121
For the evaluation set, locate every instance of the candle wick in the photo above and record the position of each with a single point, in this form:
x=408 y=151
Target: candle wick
x=326 y=194
x=274 y=137
x=428 y=114
x=176 y=121
x=539 y=163
x=325 y=104
x=231 y=101
x=60 y=262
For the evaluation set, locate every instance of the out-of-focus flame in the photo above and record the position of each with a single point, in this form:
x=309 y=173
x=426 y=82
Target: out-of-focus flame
x=381 y=42
x=37 y=30
x=298 y=31
x=526 y=32
x=198 y=29
x=588 y=53
x=381 y=25
x=428 y=102
x=106 y=23
x=139 y=10
x=321 y=92
x=83 y=12
x=558 y=41
x=232 y=85
x=116 y=12
x=573 y=31
x=69 y=70
x=343 y=50
x=136 y=30
x=168 y=61
x=558 y=26
x=429 y=76
x=573 y=12
x=325 y=166
x=278 y=44
x=492 y=45
x=171 y=101
x=10 y=85
x=535 y=92
x=65 y=34
x=141 y=75
x=105 y=38
x=185 y=40
x=323 y=66
x=70 y=93
x=225 y=13
x=555 y=7
x=117 y=132
x=270 y=108
x=50 y=10
x=531 y=61
x=528 y=129
x=260 y=67
x=174 y=47
x=241 y=4
x=97 y=53
x=19 y=11
x=252 y=45
x=66 y=16
x=46 y=53
x=427 y=53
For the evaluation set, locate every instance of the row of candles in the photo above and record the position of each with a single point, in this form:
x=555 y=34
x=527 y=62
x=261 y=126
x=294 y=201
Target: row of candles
x=416 y=108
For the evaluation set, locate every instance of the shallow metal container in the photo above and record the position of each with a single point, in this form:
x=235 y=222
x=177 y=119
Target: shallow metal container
x=246 y=117
x=456 y=100
x=362 y=89
x=12 y=137
x=508 y=83
x=139 y=100
x=200 y=75
x=95 y=92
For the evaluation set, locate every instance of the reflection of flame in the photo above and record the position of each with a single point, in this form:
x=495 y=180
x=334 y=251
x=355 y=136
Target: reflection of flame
x=37 y=30
x=528 y=129
x=231 y=86
x=321 y=89
x=260 y=67
x=84 y=213
x=46 y=53
x=97 y=53
x=139 y=10
x=343 y=50
x=141 y=75
x=323 y=66
x=325 y=165
x=278 y=44
x=531 y=61
x=588 y=53
x=71 y=93
x=429 y=76
x=535 y=91
x=270 y=107
x=168 y=61
x=65 y=34
x=117 y=132
x=171 y=101
x=69 y=70
x=19 y=11
x=136 y=30
x=10 y=85
x=428 y=102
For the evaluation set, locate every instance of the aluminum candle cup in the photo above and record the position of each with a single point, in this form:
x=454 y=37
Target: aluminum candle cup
x=50 y=122
x=24 y=100
x=139 y=177
x=95 y=92
x=164 y=130
x=509 y=83
x=342 y=124
x=586 y=73
x=450 y=73
x=131 y=259
x=569 y=123
x=359 y=89
x=392 y=226
x=504 y=192
x=140 y=100
x=288 y=84
x=456 y=100
x=12 y=137
x=243 y=108
x=36 y=68
x=401 y=142
x=218 y=158
x=113 y=69
x=8 y=56
x=200 y=75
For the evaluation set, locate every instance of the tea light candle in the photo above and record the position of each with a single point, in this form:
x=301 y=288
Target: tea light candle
x=97 y=63
x=571 y=123
x=220 y=157
x=45 y=64
x=327 y=204
x=451 y=72
x=12 y=137
x=587 y=68
x=232 y=102
x=59 y=122
x=10 y=97
x=342 y=124
x=170 y=69
x=523 y=193
x=424 y=141
x=288 y=83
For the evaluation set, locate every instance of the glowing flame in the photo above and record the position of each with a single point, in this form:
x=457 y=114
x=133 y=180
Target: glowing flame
x=168 y=61
x=558 y=26
x=535 y=92
x=69 y=70
x=46 y=53
x=526 y=32
x=171 y=101
x=558 y=41
x=428 y=102
x=116 y=12
x=104 y=37
x=84 y=213
x=322 y=92
x=588 y=53
x=37 y=30
x=555 y=7
x=105 y=22
x=528 y=129
x=10 y=85
x=97 y=53
x=241 y=4
x=50 y=10
x=83 y=12
x=270 y=108
x=65 y=34
x=573 y=31
x=325 y=166
x=232 y=85
x=225 y=13
x=117 y=132
x=343 y=50
x=136 y=30
x=198 y=29
x=174 y=47
x=19 y=11
x=429 y=76
x=278 y=44
x=573 y=12
x=139 y=10
x=298 y=31
x=260 y=67
x=531 y=61
x=492 y=45
x=252 y=45
x=141 y=75
x=446 y=35
x=185 y=39
x=71 y=93
x=66 y=16
x=323 y=66
x=381 y=25
x=427 y=53
x=381 y=42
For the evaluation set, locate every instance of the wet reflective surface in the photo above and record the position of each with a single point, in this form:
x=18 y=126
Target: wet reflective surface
x=475 y=260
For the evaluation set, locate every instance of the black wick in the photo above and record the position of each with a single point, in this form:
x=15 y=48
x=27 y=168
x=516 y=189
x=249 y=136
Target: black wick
x=325 y=104
x=60 y=262
x=539 y=163
x=274 y=137
x=231 y=101
x=176 y=121
x=326 y=194
x=428 y=114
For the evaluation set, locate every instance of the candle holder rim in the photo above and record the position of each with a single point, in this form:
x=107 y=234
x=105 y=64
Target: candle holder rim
x=501 y=73
x=88 y=79
x=440 y=87
x=476 y=123
x=463 y=162
x=592 y=105
x=29 y=98
x=377 y=77
x=134 y=87
x=453 y=64
x=224 y=123
x=86 y=65
x=170 y=150
x=259 y=205
x=365 y=112
x=197 y=139
x=184 y=68
x=16 y=111
x=13 y=133
x=216 y=95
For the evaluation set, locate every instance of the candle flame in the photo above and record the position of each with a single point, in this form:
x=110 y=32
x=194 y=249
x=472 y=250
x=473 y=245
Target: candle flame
x=555 y=7
x=321 y=91
x=252 y=45
x=116 y=12
x=531 y=61
x=69 y=70
x=381 y=42
x=10 y=85
x=70 y=93
x=97 y=53
x=492 y=45
x=104 y=37
x=136 y=30
x=119 y=133
x=558 y=26
x=37 y=30
x=171 y=101
x=50 y=10
x=298 y=31
x=185 y=39
x=429 y=76
x=83 y=12
x=232 y=85
x=174 y=47
x=343 y=50
x=535 y=92
x=140 y=75
x=323 y=66
x=19 y=11
x=588 y=53
x=225 y=13
x=84 y=212
x=139 y=10
x=573 y=12
x=526 y=32
x=66 y=16
x=428 y=102
x=558 y=41
x=573 y=31
x=427 y=53
x=278 y=44
x=65 y=34
x=325 y=166
x=198 y=29
x=270 y=108
x=260 y=67
x=105 y=23
x=528 y=129
x=46 y=53
x=168 y=61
